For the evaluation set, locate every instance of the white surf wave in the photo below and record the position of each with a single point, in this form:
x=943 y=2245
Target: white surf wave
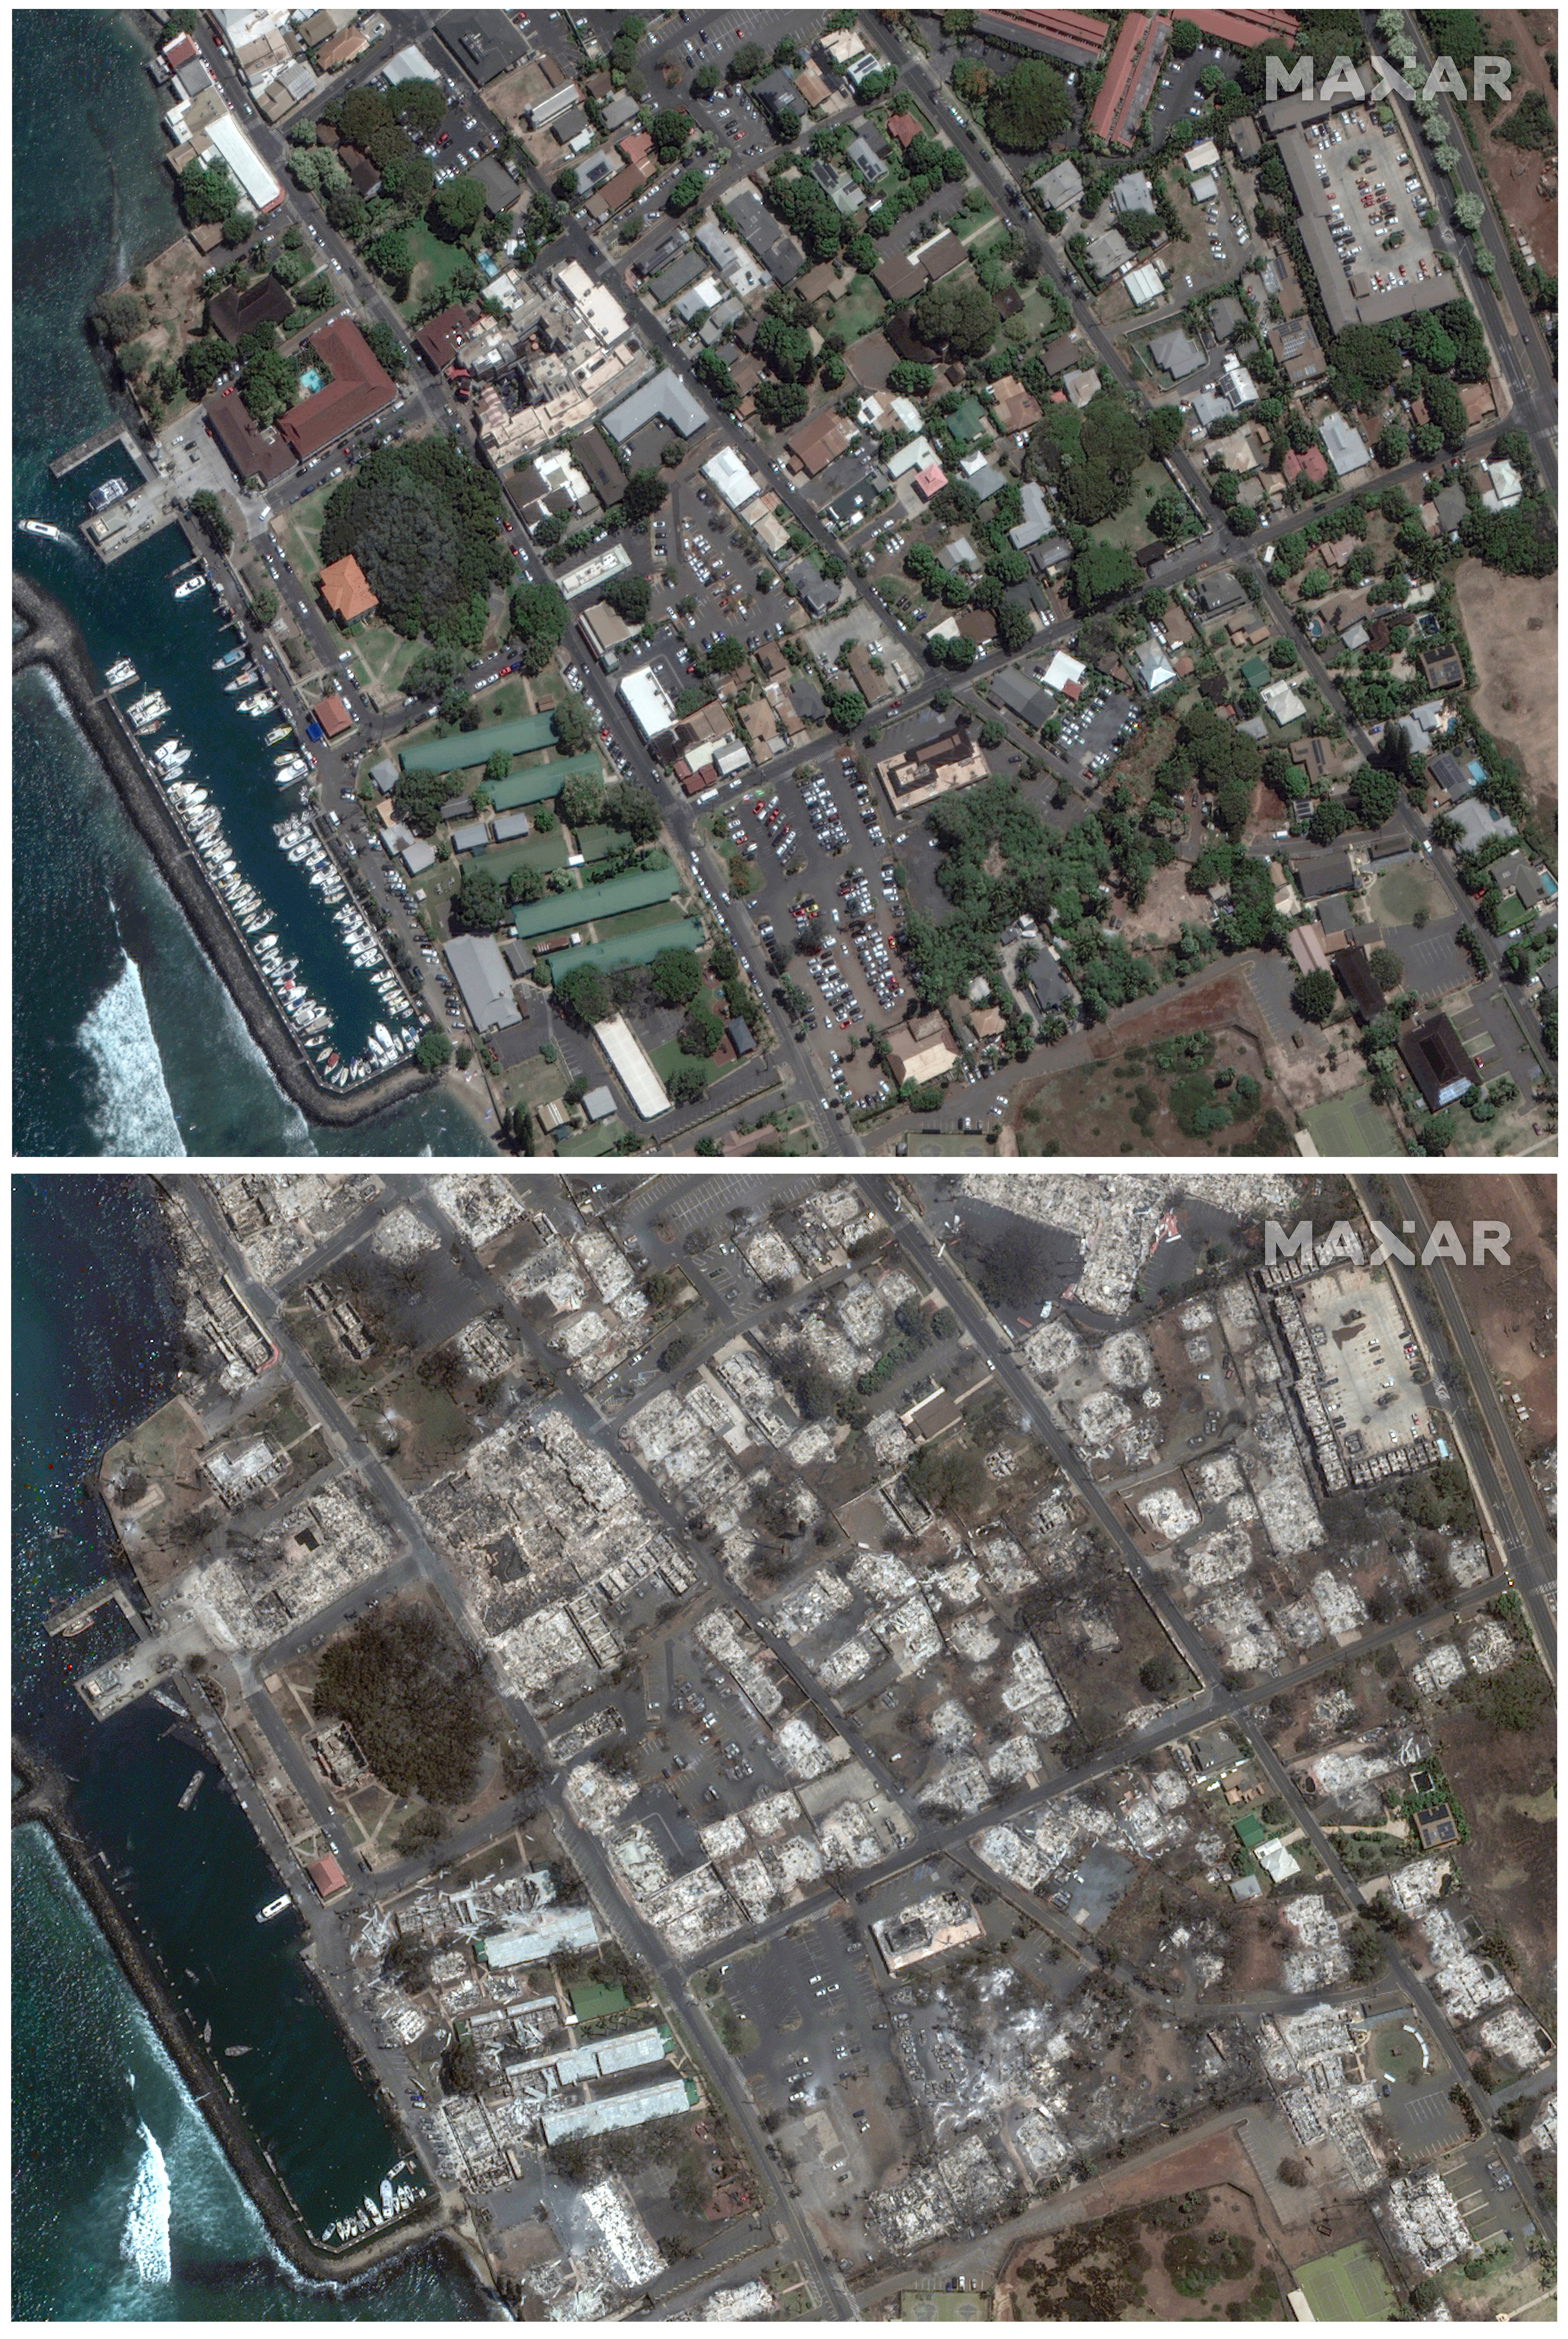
x=134 y=1113
x=144 y=2243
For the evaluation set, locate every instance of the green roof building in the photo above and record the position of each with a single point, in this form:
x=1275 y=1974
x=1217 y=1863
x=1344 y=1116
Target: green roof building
x=529 y=731
x=968 y=424
x=630 y=950
x=1254 y=671
x=539 y=782
x=1250 y=1828
x=588 y=1143
x=637 y=889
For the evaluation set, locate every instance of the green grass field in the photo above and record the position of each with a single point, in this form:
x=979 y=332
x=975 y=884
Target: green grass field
x=1348 y=2288
x=859 y=311
x=1349 y=1125
x=299 y=532
x=434 y=262
x=944 y=2307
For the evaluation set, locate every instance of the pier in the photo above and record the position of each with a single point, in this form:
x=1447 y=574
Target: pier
x=50 y=637
x=116 y=435
x=77 y=1614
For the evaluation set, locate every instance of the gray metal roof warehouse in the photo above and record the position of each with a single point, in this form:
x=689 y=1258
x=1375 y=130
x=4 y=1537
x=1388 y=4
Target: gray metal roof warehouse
x=480 y=974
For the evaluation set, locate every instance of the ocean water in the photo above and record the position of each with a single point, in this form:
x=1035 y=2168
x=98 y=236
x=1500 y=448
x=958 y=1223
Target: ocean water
x=124 y=2205
x=124 y=1041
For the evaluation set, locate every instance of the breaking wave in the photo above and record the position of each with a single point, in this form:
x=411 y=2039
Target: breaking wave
x=144 y=2243
x=133 y=1112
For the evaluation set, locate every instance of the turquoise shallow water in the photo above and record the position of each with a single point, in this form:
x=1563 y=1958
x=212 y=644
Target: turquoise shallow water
x=124 y=1041
x=123 y=2206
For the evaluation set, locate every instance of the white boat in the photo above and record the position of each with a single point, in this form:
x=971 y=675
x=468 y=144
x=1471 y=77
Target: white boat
x=119 y=674
x=229 y=658
x=274 y=1909
x=192 y=584
x=280 y=731
x=243 y=679
x=44 y=528
x=109 y=493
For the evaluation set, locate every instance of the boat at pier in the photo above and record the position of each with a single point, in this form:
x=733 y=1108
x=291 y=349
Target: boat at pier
x=242 y=680
x=119 y=674
x=278 y=731
x=274 y=1909
x=192 y=584
x=229 y=658
x=109 y=493
x=193 y=1791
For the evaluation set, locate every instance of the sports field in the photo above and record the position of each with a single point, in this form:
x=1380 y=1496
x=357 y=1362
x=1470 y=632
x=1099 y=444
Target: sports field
x=1348 y=2288
x=945 y=2306
x=1347 y=1125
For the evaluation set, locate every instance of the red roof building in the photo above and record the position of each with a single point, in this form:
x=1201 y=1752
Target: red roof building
x=360 y=388
x=327 y=1876
x=1243 y=29
x=1129 y=78
x=903 y=127
x=930 y=482
x=638 y=147
x=1313 y=465
x=181 y=51
x=1061 y=33
x=346 y=591
x=332 y=715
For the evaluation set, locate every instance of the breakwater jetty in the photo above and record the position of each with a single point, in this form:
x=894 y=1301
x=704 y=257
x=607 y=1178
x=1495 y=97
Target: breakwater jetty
x=42 y=1799
x=50 y=638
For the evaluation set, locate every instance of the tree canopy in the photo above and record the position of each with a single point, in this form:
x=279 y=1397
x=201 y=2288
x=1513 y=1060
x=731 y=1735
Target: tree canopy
x=957 y=314
x=539 y=619
x=422 y=521
x=1027 y=110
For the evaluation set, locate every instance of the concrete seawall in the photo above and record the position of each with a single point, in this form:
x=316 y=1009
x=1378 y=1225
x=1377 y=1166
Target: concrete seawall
x=52 y=640
x=44 y=1802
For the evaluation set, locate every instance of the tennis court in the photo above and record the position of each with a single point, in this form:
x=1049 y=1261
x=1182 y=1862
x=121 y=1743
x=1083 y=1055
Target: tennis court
x=1348 y=2288
x=1348 y=1126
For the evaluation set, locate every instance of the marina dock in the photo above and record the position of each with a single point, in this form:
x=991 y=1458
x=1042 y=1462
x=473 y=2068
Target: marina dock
x=116 y=435
x=77 y=1614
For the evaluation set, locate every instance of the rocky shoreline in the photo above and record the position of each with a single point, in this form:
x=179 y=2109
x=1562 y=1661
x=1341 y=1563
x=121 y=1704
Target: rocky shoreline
x=52 y=640
x=44 y=1802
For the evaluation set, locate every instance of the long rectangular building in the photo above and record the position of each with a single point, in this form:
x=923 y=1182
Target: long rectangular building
x=638 y=889
x=360 y=386
x=639 y=949
x=551 y=1929
x=519 y=738
x=1064 y=33
x=1129 y=78
x=659 y=2100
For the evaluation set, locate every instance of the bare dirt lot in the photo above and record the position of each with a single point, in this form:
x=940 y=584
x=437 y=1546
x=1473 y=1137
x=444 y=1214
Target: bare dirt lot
x=1236 y=2206
x=1512 y=1311
x=1512 y=624
x=1094 y=1099
x=1525 y=182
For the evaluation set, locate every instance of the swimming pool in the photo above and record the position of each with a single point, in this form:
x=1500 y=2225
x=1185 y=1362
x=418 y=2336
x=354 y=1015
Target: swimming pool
x=312 y=381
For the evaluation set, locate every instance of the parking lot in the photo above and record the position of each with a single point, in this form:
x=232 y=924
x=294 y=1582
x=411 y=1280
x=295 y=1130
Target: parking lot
x=1375 y=195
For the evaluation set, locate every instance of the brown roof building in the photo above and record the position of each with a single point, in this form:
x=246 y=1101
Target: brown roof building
x=871 y=684
x=914 y=778
x=346 y=591
x=341 y=50
x=254 y=454
x=358 y=389
x=903 y=127
x=1015 y=409
x=332 y=715
x=235 y=314
x=1437 y=1063
x=437 y=341
x=1129 y=78
x=924 y=1050
x=899 y=278
x=820 y=441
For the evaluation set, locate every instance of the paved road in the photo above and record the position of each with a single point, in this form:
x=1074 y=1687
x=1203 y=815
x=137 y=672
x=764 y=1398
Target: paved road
x=1492 y=1457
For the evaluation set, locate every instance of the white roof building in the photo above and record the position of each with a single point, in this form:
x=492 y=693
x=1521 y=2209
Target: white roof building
x=1239 y=387
x=408 y=65
x=1143 y=284
x=633 y=1067
x=250 y=174
x=1276 y=1861
x=646 y=701
x=1204 y=187
x=1205 y=156
x=1282 y=703
x=1152 y=665
x=1347 y=449
x=1506 y=490
x=1064 y=673
x=594 y=572
x=729 y=475
x=912 y=458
